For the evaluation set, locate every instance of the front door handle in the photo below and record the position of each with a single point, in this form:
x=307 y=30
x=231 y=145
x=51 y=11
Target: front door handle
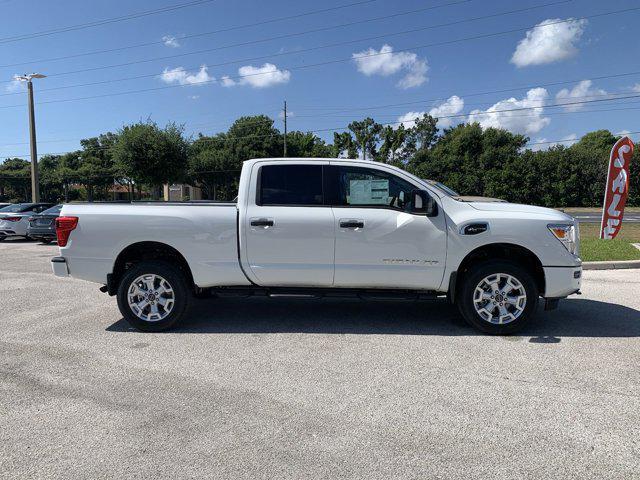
x=262 y=222
x=351 y=223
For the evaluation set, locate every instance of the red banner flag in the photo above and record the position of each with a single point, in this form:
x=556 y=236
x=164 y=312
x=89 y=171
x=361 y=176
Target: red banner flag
x=617 y=189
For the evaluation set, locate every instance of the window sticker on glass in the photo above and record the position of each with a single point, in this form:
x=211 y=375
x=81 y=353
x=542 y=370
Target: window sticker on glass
x=369 y=192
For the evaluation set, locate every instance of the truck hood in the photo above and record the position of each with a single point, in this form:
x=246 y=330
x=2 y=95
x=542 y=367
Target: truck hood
x=468 y=199
x=518 y=208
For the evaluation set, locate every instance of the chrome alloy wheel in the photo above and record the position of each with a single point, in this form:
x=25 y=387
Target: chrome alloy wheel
x=151 y=297
x=499 y=298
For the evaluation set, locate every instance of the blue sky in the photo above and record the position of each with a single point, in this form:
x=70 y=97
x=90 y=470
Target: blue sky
x=392 y=77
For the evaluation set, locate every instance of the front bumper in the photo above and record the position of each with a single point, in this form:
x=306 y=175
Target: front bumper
x=562 y=281
x=59 y=267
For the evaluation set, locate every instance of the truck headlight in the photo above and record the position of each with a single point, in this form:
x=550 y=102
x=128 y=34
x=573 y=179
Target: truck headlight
x=567 y=234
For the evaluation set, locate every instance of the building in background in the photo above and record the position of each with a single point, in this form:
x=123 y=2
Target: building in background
x=180 y=192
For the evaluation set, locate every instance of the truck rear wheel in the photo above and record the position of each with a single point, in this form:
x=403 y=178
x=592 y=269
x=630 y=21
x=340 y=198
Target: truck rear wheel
x=153 y=296
x=498 y=297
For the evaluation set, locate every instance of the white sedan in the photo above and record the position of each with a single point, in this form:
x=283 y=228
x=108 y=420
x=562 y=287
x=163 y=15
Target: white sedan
x=14 y=219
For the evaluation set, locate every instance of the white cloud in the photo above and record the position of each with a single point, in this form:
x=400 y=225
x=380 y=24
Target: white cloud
x=385 y=62
x=16 y=85
x=544 y=144
x=180 y=76
x=267 y=75
x=452 y=106
x=409 y=119
x=194 y=97
x=636 y=88
x=549 y=42
x=581 y=92
x=416 y=76
x=170 y=41
x=528 y=121
x=226 y=81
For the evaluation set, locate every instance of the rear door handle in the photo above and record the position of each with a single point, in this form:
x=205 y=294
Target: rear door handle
x=262 y=222
x=351 y=223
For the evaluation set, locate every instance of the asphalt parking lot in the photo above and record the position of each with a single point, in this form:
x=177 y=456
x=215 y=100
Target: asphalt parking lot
x=257 y=388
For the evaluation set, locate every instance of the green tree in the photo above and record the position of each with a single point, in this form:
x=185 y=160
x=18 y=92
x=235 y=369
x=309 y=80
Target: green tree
x=306 y=144
x=51 y=188
x=215 y=162
x=97 y=167
x=253 y=137
x=15 y=180
x=67 y=173
x=470 y=160
x=151 y=155
x=367 y=136
x=424 y=133
x=343 y=143
x=212 y=168
x=394 y=149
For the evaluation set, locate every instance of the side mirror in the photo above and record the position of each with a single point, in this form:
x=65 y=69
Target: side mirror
x=423 y=204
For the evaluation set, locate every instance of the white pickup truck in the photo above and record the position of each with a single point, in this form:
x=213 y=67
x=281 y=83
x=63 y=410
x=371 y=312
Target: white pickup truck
x=321 y=227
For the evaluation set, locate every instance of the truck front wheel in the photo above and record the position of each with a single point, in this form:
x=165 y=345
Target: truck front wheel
x=153 y=296
x=497 y=297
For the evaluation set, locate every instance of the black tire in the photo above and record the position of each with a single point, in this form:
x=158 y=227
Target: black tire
x=473 y=277
x=181 y=292
x=3 y=238
x=45 y=241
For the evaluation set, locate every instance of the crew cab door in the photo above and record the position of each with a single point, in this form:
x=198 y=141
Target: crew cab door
x=378 y=243
x=287 y=231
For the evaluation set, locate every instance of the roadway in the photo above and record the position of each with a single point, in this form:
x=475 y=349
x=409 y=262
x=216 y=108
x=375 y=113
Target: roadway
x=290 y=389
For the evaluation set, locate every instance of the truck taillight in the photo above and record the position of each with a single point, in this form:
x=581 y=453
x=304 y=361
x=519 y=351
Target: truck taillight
x=64 y=227
x=11 y=219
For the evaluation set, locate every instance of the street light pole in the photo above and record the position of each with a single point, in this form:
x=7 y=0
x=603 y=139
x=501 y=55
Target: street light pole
x=35 y=177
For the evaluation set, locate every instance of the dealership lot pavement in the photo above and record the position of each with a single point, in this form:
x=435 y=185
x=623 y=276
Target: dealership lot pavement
x=256 y=388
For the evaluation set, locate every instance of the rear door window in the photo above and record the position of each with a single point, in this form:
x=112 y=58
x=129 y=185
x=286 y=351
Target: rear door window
x=290 y=185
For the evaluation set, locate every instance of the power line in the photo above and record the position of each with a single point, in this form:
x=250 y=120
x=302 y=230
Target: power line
x=295 y=34
x=82 y=26
x=300 y=67
x=347 y=111
x=422 y=101
x=609 y=97
x=484 y=112
x=195 y=35
x=335 y=129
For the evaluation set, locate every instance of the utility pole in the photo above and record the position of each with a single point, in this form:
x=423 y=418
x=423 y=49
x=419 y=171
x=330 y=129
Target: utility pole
x=285 y=128
x=35 y=177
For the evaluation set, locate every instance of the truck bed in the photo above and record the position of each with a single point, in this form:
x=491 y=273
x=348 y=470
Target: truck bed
x=205 y=233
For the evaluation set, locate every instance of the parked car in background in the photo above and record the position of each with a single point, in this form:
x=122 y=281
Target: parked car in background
x=14 y=219
x=42 y=226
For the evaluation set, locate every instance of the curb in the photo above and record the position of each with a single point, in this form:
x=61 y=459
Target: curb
x=611 y=265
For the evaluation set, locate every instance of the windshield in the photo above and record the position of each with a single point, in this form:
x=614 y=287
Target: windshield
x=442 y=187
x=53 y=210
x=15 y=208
